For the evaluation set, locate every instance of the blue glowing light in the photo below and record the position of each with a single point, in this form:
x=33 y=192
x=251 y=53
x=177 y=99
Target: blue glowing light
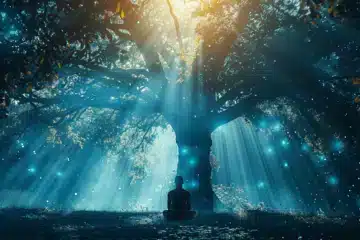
x=13 y=32
x=184 y=151
x=286 y=165
x=270 y=150
x=332 y=180
x=21 y=144
x=261 y=184
x=31 y=170
x=192 y=161
x=3 y=15
x=59 y=174
x=305 y=147
x=263 y=124
x=285 y=142
x=276 y=127
x=338 y=145
x=193 y=184
x=322 y=158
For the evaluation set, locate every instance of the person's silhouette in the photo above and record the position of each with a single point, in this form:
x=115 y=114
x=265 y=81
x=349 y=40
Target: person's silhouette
x=179 y=204
x=179 y=198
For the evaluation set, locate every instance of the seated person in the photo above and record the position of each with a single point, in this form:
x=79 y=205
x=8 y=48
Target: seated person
x=179 y=205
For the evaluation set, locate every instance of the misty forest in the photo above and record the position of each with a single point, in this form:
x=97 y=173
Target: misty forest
x=255 y=103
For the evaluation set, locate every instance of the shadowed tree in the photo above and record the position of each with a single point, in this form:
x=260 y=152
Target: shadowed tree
x=199 y=65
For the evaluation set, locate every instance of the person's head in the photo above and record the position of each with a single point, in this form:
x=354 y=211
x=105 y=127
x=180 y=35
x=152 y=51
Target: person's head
x=179 y=181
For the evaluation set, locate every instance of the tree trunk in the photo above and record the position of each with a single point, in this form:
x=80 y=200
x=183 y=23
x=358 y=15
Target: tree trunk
x=194 y=142
x=189 y=117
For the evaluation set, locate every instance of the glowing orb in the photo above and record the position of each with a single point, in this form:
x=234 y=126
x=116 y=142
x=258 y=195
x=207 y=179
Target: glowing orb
x=261 y=185
x=305 y=147
x=322 y=158
x=184 y=151
x=270 y=150
x=332 y=180
x=284 y=143
x=192 y=161
x=3 y=15
x=193 y=184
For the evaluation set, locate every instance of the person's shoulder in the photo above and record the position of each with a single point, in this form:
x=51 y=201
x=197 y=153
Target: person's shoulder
x=171 y=192
x=186 y=192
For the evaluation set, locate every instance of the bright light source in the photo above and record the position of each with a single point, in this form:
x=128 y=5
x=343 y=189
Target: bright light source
x=305 y=147
x=192 y=161
x=332 y=180
x=261 y=184
x=276 y=127
x=285 y=143
x=270 y=150
x=184 y=151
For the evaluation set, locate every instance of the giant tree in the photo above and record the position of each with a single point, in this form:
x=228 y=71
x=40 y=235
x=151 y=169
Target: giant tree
x=198 y=64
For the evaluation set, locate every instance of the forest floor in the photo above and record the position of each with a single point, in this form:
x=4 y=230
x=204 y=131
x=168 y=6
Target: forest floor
x=42 y=224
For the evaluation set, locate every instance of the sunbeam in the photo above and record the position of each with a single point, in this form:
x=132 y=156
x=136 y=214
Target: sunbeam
x=91 y=179
x=269 y=172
